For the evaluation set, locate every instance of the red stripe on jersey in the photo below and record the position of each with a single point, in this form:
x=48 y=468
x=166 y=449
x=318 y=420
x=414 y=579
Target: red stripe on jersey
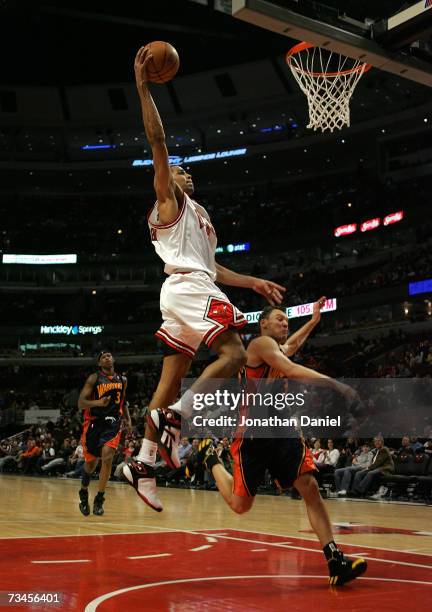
x=176 y=220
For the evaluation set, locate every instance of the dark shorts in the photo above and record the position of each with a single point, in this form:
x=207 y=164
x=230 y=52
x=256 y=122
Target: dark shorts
x=285 y=458
x=99 y=433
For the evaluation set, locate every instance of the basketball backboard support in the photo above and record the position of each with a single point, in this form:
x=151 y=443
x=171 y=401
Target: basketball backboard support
x=356 y=41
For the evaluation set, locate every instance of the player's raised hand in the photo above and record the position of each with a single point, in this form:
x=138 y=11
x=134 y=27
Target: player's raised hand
x=142 y=59
x=316 y=314
x=272 y=292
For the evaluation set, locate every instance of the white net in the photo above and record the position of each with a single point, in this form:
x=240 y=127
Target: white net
x=328 y=80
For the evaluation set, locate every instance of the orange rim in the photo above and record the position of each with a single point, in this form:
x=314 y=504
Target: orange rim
x=302 y=46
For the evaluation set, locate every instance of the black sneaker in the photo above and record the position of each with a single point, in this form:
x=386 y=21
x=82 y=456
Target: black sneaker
x=142 y=478
x=84 y=505
x=167 y=425
x=210 y=458
x=342 y=569
x=98 y=504
x=204 y=452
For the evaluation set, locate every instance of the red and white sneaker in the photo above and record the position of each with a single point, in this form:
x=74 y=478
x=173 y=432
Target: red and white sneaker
x=167 y=425
x=142 y=478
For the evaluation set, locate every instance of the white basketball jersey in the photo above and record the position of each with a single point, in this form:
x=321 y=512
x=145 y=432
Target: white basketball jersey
x=188 y=243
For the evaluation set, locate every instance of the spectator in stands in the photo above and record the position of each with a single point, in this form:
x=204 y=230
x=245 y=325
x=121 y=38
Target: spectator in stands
x=60 y=462
x=343 y=476
x=47 y=454
x=76 y=463
x=415 y=444
x=8 y=452
x=347 y=453
x=317 y=450
x=27 y=459
x=382 y=463
x=326 y=461
x=405 y=448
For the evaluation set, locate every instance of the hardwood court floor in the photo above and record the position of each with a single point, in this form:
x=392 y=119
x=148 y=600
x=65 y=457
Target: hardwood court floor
x=201 y=554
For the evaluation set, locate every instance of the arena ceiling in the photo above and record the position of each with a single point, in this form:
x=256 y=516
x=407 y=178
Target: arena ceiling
x=70 y=42
x=55 y=42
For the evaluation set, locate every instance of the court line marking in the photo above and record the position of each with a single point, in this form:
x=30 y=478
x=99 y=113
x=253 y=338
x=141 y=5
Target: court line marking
x=157 y=529
x=259 y=549
x=89 y=535
x=316 y=550
x=278 y=535
x=211 y=539
x=204 y=547
x=65 y=561
x=92 y=605
x=151 y=556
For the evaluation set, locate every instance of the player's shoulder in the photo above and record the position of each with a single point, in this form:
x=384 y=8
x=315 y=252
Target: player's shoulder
x=92 y=378
x=262 y=343
x=200 y=209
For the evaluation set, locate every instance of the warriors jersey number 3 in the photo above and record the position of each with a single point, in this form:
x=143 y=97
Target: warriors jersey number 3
x=107 y=386
x=188 y=243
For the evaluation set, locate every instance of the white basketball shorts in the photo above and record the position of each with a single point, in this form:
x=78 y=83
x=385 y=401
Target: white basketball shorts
x=194 y=310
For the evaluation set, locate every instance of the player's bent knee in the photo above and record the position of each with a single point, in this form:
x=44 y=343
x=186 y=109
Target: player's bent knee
x=238 y=358
x=242 y=505
x=307 y=486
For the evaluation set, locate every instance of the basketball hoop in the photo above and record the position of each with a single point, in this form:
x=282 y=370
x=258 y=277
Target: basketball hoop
x=328 y=79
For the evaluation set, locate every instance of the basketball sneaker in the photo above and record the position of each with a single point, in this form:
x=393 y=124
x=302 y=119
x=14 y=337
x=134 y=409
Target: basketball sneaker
x=166 y=424
x=84 y=505
x=142 y=478
x=98 y=504
x=342 y=569
x=211 y=457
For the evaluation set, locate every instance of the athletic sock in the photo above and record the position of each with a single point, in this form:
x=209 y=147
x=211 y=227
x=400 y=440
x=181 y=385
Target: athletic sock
x=148 y=452
x=212 y=460
x=331 y=550
x=184 y=405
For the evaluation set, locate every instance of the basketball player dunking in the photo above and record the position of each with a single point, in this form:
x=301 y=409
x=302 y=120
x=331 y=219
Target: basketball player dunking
x=289 y=461
x=103 y=400
x=194 y=309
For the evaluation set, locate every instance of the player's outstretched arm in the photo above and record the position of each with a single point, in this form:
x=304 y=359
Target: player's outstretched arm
x=265 y=349
x=270 y=290
x=84 y=400
x=296 y=340
x=165 y=188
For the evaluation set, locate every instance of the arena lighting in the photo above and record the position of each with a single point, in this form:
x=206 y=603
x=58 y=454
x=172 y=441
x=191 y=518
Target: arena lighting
x=274 y=128
x=302 y=310
x=98 y=146
x=371 y=224
x=39 y=259
x=423 y=286
x=393 y=217
x=240 y=247
x=344 y=230
x=176 y=160
x=74 y=330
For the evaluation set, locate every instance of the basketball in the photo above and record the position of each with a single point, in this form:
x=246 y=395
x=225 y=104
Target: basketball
x=165 y=63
